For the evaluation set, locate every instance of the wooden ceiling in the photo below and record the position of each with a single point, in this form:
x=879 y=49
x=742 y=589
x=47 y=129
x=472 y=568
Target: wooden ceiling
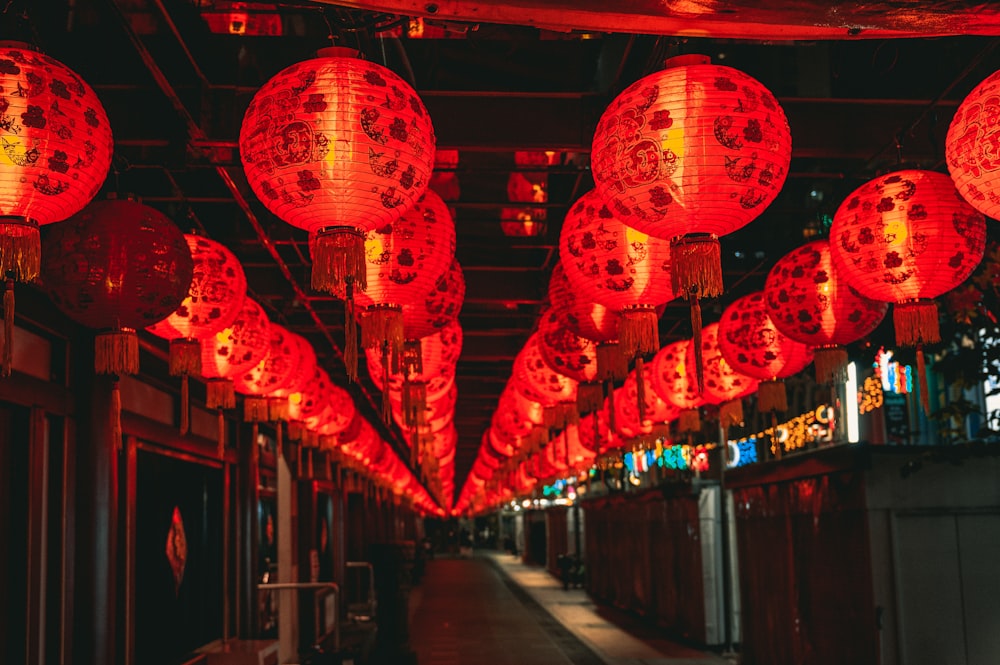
x=861 y=92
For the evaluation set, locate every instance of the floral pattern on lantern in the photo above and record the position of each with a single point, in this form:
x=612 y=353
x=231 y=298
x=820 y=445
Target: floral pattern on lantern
x=752 y=345
x=972 y=147
x=565 y=352
x=439 y=355
x=533 y=378
x=57 y=149
x=273 y=373
x=439 y=307
x=810 y=302
x=337 y=146
x=233 y=351
x=619 y=267
x=582 y=316
x=673 y=380
x=723 y=385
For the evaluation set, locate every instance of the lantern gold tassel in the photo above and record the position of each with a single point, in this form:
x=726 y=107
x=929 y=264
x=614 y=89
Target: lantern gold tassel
x=699 y=362
x=338 y=259
x=611 y=365
x=611 y=407
x=696 y=265
x=831 y=365
x=731 y=413
x=925 y=398
x=220 y=432
x=185 y=357
x=638 y=332
x=350 y=336
x=185 y=405
x=640 y=388
x=916 y=322
x=277 y=409
x=415 y=404
x=689 y=421
x=116 y=352
x=551 y=417
x=294 y=431
x=220 y=394
x=383 y=324
x=8 y=328
x=386 y=404
x=589 y=395
x=414 y=448
x=20 y=248
x=413 y=357
x=254 y=409
x=116 y=415
x=771 y=396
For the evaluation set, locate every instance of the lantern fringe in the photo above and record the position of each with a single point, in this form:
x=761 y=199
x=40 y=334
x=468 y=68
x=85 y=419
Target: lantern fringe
x=220 y=394
x=254 y=409
x=220 y=433
x=696 y=265
x=277 y=409
x=8 y=328
x=551 y=417
x=611 y=407
x=925 y=398
x=611 y=365
x=640 y=389
x=386 y=403
x=185 y=357
x=916 y=322
x=415 y=404
x=699 y=352
x=413 y=357
x=831 y=365
x=116 y=415
x=589 y=395
x=731 y=413
x=570 y=416
x=414 y=448
x=116 y=352
x=326 y=442
x=185 y=405
x=350 y=336
x=772 y=396
x=20 y=249
x=309 y=464
x=689 y=421
x=638 y=332
x=295 y=431
x=338 y=259
x=383 y=324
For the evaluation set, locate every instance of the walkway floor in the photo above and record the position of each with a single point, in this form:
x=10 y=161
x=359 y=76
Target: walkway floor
x=493 y=610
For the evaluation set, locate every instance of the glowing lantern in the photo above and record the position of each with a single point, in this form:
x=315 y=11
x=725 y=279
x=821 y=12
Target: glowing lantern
x=674 y=382
x=810 y=302
x=688 y=154
x=752 y=345
x=232 y=351
x=536 y=381
x=619 y=267
x=439 y=307
x=214 y=300
x=906 y=238
x=403 y=261
x=57 y=150
x=116 y=266
x=273 y=373
x=337 y=146
x=572 y=356
x=723 y=385
x=972 y=147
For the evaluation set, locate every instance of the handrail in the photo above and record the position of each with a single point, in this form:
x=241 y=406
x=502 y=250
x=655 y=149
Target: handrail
x=299 y=586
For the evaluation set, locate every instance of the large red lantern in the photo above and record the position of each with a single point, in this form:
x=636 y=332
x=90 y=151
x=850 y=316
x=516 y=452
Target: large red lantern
x=688 y=154
x=752 y=345
x=619 y=267
x=233 y=351
x=214 y=300
x=572 y=356
x=538 y=382
x=906 y=238
x=674 y=382
x=723 y=385
x=337 y=146
x=116 y=266
x=810 y=302
x=57 y=150
x=273 y=373
x=972 y=147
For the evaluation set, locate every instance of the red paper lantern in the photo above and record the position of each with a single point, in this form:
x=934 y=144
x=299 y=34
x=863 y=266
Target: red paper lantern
x=301 y=380
x=273 y=373
x=214 y=300
x=116 y=266
x=233 y=351
x=972 y=147
x=619 y=267
x=439 y=306
x=674 y=382
x=581 y=315
x=536 y=381
x=57 y=146
x=403 y=261
x=752 y=345
x=572 y=356
x=337 y=146
x=811 y=303
x=688 y=154
x=723 y=385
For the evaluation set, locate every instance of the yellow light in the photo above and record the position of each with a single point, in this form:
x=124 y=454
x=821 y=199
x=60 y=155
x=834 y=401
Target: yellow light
x=295 y=399
x=632 y=236
x=224 y=337
x=896 y=232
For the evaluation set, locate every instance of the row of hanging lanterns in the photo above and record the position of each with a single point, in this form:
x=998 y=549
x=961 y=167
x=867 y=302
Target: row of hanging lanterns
x=698 y=151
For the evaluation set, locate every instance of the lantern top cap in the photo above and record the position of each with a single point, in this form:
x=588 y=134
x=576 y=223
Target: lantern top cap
x=16 y=43
x=338 y=52
x=686 y=60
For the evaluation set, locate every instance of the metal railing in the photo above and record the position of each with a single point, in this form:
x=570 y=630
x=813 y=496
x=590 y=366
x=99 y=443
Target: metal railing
x=332 y=587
